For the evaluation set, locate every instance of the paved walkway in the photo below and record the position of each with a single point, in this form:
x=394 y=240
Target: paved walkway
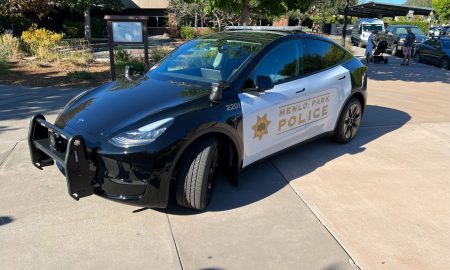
x=382 y=198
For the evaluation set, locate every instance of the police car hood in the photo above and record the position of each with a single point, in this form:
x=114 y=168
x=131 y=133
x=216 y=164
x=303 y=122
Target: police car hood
x=120 y=104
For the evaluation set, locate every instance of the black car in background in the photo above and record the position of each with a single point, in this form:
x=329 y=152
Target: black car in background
x=434 y=51
x=395 y=37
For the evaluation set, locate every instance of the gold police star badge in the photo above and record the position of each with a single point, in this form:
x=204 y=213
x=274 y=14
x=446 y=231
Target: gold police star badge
x=260 y=128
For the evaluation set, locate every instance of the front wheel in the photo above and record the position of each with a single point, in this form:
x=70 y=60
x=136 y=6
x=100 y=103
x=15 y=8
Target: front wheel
x=196 y=173
x=349 y=121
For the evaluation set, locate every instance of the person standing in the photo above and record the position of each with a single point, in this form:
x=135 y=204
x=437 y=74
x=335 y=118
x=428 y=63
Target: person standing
x=370 y=46
x=407 y=47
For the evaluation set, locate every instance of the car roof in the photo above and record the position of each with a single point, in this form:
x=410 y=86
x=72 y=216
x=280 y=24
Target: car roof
x=404 y=25
x=262 y=37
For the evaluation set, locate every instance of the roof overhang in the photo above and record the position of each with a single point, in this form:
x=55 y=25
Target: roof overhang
x=380 y=10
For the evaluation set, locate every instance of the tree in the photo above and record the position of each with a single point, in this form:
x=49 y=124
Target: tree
x=442 y=8
x=86 y=6
x=19 y=8
x=418 y=3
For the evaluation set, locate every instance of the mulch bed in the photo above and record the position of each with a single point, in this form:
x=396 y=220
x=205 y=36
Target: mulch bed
x=55 y=74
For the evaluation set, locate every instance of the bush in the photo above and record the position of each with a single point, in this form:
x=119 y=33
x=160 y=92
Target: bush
x=9 y=47
x=120 y=67
x=122 y=55
x=40 y=42
x=158 y=53
x=80 y=75
x=423 y=26
x=73 y=29
x=188 y=32
x=3 y=66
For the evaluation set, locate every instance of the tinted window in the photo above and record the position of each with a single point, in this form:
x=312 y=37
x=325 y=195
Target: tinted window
x=404 y=31
x=281 y=63
x=445 y=43
x=320 y=55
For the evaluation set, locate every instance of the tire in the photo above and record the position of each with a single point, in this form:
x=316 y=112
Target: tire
x=196 y=172
x=349 y=122
x=444 y=63
x=419 y=57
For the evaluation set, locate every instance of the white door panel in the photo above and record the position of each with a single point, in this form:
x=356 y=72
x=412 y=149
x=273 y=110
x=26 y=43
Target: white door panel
x=266 y=125
x=329 y=90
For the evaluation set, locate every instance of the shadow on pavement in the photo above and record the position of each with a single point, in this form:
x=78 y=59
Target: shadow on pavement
x=262 y=179
x=19 y=103
x=414 y=72
x=5 y=220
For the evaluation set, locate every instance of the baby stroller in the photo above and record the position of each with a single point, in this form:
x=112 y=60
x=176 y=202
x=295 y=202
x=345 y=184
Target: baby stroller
x=377 y=56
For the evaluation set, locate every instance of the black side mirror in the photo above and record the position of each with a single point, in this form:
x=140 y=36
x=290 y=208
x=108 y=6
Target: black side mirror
x=263 y=83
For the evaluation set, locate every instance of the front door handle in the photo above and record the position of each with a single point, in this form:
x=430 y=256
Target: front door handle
x=342 y=78
x=302 y=90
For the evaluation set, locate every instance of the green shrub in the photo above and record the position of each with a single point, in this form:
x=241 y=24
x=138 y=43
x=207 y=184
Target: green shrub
x=40 y=42
x=3 y=66
x=188 y=32
x=98 y=27
x=80 y=75
x=158 y=53
x=9 y=47
x=73 y=29
x=120 y=67
x=423 y=26
x=122 y=55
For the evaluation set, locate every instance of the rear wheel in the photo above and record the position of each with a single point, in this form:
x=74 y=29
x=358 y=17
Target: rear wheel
x=349 y=121
x=196 y=174
x=444 y=63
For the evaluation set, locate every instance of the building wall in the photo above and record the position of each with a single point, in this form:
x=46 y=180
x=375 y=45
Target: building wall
x=158 y=4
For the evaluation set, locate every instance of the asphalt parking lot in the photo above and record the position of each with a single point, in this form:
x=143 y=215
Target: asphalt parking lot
x=380 y=202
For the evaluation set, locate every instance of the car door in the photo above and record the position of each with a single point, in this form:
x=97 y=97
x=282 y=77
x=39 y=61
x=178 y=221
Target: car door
x=425 y=50
x=274 y=119
x=329 y=84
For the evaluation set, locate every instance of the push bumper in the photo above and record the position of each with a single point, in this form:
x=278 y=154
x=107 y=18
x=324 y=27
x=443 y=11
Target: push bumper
x=44 y=140
x=87 y=172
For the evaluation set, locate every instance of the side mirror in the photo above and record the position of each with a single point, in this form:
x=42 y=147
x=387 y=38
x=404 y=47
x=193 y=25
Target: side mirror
x=263 y=83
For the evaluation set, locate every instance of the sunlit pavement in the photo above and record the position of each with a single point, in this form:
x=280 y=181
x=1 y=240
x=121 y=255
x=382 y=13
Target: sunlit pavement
x=381 y=201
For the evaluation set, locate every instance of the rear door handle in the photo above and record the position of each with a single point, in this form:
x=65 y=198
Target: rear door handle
x=302 y=90
x=342 y=78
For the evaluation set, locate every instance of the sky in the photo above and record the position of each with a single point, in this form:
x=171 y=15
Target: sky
x=396 y=2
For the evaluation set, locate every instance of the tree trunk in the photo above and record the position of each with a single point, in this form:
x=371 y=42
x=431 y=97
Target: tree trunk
x=245 y=12
x=87 y=24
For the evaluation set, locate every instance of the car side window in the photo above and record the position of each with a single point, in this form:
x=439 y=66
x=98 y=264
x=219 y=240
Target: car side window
x=390 y=29
x=281 y=63
x=320 y=55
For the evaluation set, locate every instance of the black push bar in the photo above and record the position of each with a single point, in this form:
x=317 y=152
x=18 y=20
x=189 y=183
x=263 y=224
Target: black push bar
x=73 y=158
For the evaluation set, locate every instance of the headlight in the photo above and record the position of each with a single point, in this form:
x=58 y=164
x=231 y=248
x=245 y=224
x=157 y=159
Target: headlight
x=143 y=135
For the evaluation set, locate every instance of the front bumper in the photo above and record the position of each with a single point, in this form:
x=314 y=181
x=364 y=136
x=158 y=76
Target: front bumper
x=88 y=171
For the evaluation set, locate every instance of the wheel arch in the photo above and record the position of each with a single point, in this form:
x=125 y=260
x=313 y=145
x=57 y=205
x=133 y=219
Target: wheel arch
x=227 y=142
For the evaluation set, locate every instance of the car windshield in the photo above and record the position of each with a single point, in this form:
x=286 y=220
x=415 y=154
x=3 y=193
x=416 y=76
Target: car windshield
x=446 y=43
x=210 y=60
x=372 y=27
x=414 y=30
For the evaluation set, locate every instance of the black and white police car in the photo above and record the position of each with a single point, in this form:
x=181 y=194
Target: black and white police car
x=224 y=100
